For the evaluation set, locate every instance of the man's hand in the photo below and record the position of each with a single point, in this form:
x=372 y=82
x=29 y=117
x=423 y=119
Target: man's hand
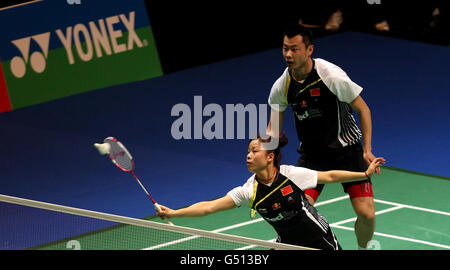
x=369 y=157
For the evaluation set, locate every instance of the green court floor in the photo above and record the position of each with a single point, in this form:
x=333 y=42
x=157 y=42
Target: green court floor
x=412 y=213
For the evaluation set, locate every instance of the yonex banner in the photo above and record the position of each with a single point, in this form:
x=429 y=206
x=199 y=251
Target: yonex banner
x=52 y=48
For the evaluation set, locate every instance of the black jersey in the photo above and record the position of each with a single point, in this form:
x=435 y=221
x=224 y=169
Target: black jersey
x=284 y=206
x=289 y=212
x=323 y=116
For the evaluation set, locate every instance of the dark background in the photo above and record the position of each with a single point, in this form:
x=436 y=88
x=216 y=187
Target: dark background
x=194 y=33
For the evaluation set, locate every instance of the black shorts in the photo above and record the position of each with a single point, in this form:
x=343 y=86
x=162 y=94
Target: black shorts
x=349 y=158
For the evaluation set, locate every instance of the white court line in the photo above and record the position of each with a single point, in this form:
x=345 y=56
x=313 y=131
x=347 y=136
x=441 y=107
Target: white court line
x=397 y=206
x=233 y=226
x=398 y=237
x=335 y=225
x=196 y=236
x=376 y=213
x=252 y=246
x=414 y=207
x=331 y=200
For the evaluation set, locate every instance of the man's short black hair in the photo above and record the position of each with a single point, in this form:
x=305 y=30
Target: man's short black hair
x=294 y=28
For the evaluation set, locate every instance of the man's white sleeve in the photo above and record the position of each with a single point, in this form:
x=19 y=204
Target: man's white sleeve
x=345 y=89
x=277 y=99
x=337 y=81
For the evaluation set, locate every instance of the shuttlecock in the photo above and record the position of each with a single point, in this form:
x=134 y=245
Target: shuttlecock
x=103 y=148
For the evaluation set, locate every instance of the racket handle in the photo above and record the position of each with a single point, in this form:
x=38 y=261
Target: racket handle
x=157 y=208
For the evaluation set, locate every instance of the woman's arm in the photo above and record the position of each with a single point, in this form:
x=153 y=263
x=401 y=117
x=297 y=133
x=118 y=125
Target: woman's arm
x=199 y=209
x=338 y=176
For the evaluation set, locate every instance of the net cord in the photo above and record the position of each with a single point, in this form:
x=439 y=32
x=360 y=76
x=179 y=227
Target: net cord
x=148 y=223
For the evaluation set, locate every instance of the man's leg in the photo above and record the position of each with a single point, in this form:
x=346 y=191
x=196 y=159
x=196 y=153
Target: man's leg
x=363 y=204
x=312 y=194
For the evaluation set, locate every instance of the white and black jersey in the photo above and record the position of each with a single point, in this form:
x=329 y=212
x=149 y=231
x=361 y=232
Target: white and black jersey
x=323 y=116
x=284 y=206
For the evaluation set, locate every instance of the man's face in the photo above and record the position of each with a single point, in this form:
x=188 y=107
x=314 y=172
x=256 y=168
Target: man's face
x=295 y=52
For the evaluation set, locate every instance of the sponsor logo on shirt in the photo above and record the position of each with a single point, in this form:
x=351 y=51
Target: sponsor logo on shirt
x=276 y=206
x=284 y=215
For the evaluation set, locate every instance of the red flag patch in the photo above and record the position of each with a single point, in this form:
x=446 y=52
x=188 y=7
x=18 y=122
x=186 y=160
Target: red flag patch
x=286 y=190
x=315 y=92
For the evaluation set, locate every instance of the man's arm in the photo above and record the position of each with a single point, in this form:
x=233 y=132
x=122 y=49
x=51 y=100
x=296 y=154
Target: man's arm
x=365 y=118
x=275 y=123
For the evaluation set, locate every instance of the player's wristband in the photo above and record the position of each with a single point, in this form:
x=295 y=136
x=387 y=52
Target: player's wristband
x=366 y=174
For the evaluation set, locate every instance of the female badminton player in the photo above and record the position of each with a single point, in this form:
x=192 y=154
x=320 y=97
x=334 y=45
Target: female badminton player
x=276 y=192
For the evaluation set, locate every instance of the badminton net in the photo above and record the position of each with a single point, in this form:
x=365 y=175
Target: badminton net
x=91 y=230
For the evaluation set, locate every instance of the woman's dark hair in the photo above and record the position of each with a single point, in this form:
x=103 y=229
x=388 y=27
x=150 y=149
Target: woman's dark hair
x=282 y=141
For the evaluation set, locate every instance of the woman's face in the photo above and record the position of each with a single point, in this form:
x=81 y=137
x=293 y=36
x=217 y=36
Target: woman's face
x=258 y=158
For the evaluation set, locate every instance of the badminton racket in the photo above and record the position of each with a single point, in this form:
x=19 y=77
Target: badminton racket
x=122 y=158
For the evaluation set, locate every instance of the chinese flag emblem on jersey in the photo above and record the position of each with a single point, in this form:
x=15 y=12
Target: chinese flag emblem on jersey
x=315 y=92
x=286 y=190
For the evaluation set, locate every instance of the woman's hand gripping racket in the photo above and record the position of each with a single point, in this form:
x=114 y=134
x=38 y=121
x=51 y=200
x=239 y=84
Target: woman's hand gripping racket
x=123 y=159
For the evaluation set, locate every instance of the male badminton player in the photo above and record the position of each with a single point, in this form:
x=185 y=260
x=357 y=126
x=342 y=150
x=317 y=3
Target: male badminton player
x=323 y=99
x=276 y=192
